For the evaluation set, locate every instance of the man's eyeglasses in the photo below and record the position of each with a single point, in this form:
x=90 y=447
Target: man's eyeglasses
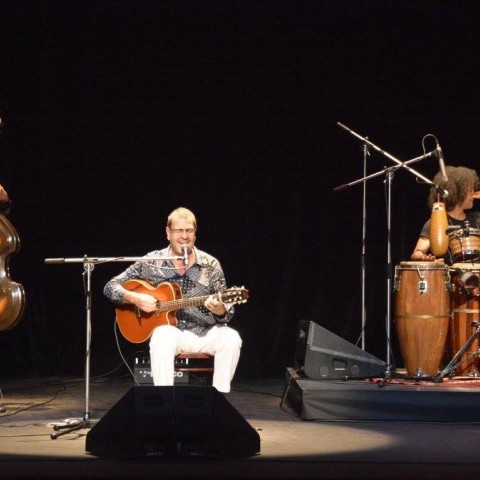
x=177 y=231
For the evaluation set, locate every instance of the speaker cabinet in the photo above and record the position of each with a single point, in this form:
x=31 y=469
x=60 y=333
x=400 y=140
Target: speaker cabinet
x=322 y=355
x=172 y=421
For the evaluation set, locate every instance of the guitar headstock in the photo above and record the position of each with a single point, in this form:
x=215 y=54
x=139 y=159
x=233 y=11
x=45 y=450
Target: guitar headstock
x=235 y=295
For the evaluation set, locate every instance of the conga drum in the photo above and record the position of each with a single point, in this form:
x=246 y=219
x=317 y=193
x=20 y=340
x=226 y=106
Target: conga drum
x=465 y=279
x=464 y=244
x=422 y=315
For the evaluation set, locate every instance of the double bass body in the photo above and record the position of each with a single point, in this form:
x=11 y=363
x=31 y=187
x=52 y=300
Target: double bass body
x=12 y=295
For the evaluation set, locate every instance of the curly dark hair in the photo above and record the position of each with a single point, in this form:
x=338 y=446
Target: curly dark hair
x=460 y=181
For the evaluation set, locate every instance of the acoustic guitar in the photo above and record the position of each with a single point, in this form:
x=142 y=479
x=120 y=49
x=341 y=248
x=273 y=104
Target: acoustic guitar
x=137 y=326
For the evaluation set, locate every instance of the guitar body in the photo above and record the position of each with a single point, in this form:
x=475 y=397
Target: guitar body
x=137 y=326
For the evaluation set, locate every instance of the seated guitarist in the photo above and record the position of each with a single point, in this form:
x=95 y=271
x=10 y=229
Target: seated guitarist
x=198 y=329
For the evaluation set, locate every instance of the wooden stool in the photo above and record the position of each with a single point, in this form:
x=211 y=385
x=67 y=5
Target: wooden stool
x=194 y=362
x=194 y=366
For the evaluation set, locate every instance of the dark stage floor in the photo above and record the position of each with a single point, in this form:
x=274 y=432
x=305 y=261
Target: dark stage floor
x=290 y=447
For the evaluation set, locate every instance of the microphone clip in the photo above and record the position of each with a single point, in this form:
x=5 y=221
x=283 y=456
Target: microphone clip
x=442 y=191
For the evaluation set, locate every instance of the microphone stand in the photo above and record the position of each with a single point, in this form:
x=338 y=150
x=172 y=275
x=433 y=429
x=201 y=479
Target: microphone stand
x=389 y=177
x=366 y=154
x=88 y=266
x=388 y=323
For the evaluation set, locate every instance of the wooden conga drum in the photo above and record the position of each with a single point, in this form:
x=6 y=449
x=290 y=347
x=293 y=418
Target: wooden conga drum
x=465 y=278
x=464 y=244
x=422 y=315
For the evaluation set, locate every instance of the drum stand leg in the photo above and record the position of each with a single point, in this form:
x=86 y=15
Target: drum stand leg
x=454 y=361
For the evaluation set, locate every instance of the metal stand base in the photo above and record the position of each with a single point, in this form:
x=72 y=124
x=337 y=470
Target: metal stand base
x=71 y=426
x=453 y=362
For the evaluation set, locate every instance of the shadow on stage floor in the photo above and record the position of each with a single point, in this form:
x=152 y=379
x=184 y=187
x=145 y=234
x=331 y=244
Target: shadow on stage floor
x=290 y=446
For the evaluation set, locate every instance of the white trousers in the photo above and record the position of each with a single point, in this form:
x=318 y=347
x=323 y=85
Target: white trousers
x=221 y=341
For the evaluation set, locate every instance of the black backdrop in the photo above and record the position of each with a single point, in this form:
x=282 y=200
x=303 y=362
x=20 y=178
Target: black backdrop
x=114 y=113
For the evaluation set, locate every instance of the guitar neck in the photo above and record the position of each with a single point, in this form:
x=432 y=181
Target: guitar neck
x=169 y=305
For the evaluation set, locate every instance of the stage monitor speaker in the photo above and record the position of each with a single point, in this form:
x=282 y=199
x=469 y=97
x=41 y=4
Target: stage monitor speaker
x=322 y=355
x=151 y=421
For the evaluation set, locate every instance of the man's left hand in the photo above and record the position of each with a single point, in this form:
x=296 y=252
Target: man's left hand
x=215 y=306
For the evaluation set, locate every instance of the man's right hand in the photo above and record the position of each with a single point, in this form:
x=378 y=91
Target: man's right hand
x=146 y=303
x=424 y=257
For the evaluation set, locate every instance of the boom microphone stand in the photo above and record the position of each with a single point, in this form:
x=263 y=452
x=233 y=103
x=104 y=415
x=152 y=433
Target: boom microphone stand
x=389 y=176
x=88 y=266
x=366 y=154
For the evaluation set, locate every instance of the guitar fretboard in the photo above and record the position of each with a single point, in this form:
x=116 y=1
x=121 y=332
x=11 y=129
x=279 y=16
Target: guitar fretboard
x=182 y=303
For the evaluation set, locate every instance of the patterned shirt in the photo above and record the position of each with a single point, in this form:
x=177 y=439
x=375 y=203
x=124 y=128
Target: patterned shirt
x=203 y=278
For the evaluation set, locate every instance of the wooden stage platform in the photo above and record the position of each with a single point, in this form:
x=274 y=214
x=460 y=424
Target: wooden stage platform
x=362 y=434
x=375 y=399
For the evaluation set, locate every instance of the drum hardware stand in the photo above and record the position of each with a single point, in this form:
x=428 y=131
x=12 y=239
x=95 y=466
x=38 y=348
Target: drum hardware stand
x=366 y=154
x=86 y=421
x=387 y=375
x=454 y=361
x=389 y=175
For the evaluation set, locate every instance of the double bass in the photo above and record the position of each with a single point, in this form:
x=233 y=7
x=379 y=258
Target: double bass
x=12 y=295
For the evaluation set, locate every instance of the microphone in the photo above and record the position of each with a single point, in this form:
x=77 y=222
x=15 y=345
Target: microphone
x=185 y=254
x=441 y=162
